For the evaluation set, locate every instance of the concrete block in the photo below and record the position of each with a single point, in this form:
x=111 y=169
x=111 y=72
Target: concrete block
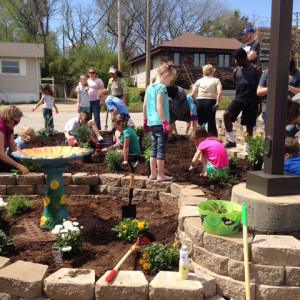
x=40 y=189
x=292 y=276
x=190 y=191
x=232 y=151
x=185 y=240
x=67 y=178
x=215 y=297
x=277 y=250
x=4 y=261
x=69 y=284
x=7 y=179
x=193 y=230
x=30 y=179
x=23 y=279
x=267 y=292
x=208 y=282
x=111 y=179
x=168 y=198
x=20 y=189
x=139 y=181
x=168 y=285
x=242 y=155
x=214 y=262
x=230 y=245
x=176 y=188
x=118 y=191
x=4 y=296
x=187 y=212
x=145 y=195
x=2 y=189
x=154 y=185
x=190 y=201
x=85 y=179
x=125 y=285
x=77 y=189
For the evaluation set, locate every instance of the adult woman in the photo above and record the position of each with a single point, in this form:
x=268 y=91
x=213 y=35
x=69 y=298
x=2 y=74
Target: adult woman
x=95 y=84
x=117 y=85
x=209 y=93
x=9 y=118
x=128 y=139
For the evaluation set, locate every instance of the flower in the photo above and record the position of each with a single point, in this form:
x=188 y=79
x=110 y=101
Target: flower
x=140 y=225
x=66 y=249
x=141 y=261
x=75 y=223
x=124 y=226
x=54 y=184
x=55 y=230
x=67 y=224
x=2 y=203
x=146 y=266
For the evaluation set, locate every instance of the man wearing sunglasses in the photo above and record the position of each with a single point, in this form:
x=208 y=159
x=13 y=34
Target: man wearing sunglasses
x=95 y=84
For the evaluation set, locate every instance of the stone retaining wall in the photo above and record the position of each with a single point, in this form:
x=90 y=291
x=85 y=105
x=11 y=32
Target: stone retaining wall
x=216 y=261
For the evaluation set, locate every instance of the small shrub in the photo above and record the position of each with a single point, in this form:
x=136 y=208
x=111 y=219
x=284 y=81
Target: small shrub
x=6 y=243
x=146 y=140
x=17 y=204
x=159 y=257
x=133 y=98
x=82 y=133
x=31 y=166
x=147 y=154
x=233 y=160
x=223 y=178
x=129 y=229
x=139 y=131
x=68 y=237
x=48 y=131
x=113 y=159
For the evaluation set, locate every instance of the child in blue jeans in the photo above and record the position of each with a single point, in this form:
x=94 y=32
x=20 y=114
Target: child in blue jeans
x=292 y=156
x=157 y=117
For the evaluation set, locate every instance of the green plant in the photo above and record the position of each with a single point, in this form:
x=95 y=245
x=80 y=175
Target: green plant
x=139 y=131
x=216 y=207
x=147 y=154
x=2 y=206
x=17 y=204
x=113 y=159
x=129 y=229
x=146 y=140
x=159 y=257
x=31 y=166
x=68 y=237
x=256 y=148
x=82 y=133
x=233 y=160
x=223 y=178
x=6 y=243
x=47 y=131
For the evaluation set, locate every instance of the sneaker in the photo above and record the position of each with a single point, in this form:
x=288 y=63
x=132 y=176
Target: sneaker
x=165 y=178
x=230 y=144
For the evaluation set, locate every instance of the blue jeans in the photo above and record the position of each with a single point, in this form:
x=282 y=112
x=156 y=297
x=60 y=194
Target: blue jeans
x=158 y=142
x=48 y=117
x=95 y=110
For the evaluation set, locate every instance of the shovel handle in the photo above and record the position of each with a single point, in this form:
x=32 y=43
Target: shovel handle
x=131 y=183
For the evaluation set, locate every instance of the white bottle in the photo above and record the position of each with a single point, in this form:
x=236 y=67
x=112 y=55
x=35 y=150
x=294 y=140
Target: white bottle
x=184 y=263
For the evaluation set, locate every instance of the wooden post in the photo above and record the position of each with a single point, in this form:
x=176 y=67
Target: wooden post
x=119 y=37
x=148 y=44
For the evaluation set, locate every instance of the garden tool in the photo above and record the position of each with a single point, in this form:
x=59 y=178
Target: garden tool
x=246 y=255
x=113 y=272
x=106 y=120
x=129 y=211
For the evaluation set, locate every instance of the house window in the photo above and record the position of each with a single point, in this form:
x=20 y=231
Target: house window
x=10 y=67
x=176 y=59
x=199 y=59
x=264 y=51
x=267 y=41
x=224 y=60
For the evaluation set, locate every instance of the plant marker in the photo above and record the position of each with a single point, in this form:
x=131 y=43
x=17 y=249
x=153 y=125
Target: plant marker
x=246 y=254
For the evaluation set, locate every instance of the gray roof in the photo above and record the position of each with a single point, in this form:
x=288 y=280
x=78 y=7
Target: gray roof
x=21 y=49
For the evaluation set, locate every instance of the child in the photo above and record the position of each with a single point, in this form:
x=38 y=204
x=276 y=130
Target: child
x=83 y=102
x=157 y=117
x=292 y=156
x=26 y=134
x=48 y=102
x=193 y=111
x=210 y=152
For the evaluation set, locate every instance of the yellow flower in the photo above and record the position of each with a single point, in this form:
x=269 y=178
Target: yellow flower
x=142 y=261
x=54 y=184
x=63 y=199
x=124 y=226
x=136 y=220
x=175 y=245
x=246 y=133
x=46 y=201
x=146 y=266
x=144 y=255
x=43 y=220
x=140 y=225
x=258 y=134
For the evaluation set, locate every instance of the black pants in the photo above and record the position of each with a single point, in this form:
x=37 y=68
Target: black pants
x=207 y=115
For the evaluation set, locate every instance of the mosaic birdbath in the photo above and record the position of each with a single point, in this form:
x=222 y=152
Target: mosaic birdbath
x=53 y=161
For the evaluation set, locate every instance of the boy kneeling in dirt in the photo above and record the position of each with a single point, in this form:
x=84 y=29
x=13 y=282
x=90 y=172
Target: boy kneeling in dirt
x=292 y=156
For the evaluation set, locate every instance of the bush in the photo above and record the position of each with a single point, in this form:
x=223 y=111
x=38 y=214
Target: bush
x=147 y=154
x=223 y=178
x=6 y=243
x=17 y=204
x=129 y=229
x=160 y=257
x=82 y=133
x=113 y=159
x=233 y=160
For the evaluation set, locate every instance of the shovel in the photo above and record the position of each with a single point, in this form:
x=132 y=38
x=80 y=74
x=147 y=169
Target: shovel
x=129 y=211
x=106 y=120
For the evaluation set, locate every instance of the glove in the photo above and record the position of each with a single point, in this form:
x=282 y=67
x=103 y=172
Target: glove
x=71 y=142
x=166 y=127
x=23 y=169
x=215 y=107
x=100 y=138
x=33 y=109
x=145 y=126
x=56 y=111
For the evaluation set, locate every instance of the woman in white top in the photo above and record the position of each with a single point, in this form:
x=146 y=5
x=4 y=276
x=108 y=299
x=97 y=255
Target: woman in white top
x=208 y=93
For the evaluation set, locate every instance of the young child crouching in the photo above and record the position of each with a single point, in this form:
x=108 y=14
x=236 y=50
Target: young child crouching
x=292 y=156
x=210 y=152
x=25 y=135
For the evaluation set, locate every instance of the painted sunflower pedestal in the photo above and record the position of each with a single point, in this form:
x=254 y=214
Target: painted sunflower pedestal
x=53 y=161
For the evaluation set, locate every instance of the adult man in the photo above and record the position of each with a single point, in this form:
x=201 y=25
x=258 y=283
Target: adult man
x=252 y=47
x=246 y=76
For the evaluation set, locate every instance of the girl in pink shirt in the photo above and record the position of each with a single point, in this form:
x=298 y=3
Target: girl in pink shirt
x=210 y=152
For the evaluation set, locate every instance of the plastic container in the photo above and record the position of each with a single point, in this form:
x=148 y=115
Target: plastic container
x=220 y=223
x=183 y=262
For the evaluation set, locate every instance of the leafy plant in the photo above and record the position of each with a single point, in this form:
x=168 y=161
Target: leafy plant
x=159 y=257
x=216 y=207
x=17 y=204
x=147 y=154
x=47 y=131
x=31 y=166
x=113 y=159
x=83 y=133
x=146 y=140
x=68 y=237
x=129 y=229
x=223 y=178
x=256 y=148
x=6 y=243
x=233 y=160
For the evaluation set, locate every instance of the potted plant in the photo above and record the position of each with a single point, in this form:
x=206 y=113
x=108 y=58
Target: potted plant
x=220 y=217
x=256 y=151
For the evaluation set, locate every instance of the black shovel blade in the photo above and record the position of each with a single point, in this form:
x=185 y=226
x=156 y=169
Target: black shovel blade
x=129 y=211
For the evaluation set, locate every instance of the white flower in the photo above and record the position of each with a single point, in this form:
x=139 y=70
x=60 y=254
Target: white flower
x=75 y=223
x=67 y=224
x=74 y=229
x=64 y=230
x=66 y=249
x=55 y=230
x=58 y=227
x=2 y=203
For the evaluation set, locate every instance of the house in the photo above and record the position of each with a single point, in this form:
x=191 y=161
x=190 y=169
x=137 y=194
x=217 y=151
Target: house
x=20 y=71
x=189 y=52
